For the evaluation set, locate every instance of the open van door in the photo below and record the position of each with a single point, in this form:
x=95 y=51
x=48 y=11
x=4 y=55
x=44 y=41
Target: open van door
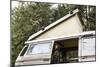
x=37 y=53
x=87 y=49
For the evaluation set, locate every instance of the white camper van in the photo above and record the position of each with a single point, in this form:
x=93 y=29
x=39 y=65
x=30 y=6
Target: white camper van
x=66 y=49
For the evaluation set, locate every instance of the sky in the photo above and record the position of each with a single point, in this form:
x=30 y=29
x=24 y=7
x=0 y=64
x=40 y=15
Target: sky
x=15 y=4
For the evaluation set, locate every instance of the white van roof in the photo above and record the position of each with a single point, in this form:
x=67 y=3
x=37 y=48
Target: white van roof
x=63 y=37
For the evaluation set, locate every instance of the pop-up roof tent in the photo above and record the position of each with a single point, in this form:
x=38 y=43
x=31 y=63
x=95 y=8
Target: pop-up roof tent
x=67 y=25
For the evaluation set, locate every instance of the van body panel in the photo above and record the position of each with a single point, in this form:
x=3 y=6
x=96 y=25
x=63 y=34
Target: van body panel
x=38 y=58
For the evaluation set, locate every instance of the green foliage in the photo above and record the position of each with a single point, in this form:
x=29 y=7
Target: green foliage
x=28 y=18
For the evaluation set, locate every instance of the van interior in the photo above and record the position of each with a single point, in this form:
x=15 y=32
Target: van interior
x=65 y=51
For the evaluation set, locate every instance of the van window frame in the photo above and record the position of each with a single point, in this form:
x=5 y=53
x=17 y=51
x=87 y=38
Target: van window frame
x=81 y=56
x=88 y=37
x=22 y=50
x=51 y=41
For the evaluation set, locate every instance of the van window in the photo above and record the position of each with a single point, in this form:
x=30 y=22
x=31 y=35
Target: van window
x=23 y=50
x=88 y=46
x=87 y=49
x=39 y=48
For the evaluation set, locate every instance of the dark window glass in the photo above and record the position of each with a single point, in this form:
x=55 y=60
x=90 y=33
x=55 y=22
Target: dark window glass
x=24 y=50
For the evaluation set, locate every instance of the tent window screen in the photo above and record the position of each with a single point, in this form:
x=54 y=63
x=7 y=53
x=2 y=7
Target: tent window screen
x=39 y=48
